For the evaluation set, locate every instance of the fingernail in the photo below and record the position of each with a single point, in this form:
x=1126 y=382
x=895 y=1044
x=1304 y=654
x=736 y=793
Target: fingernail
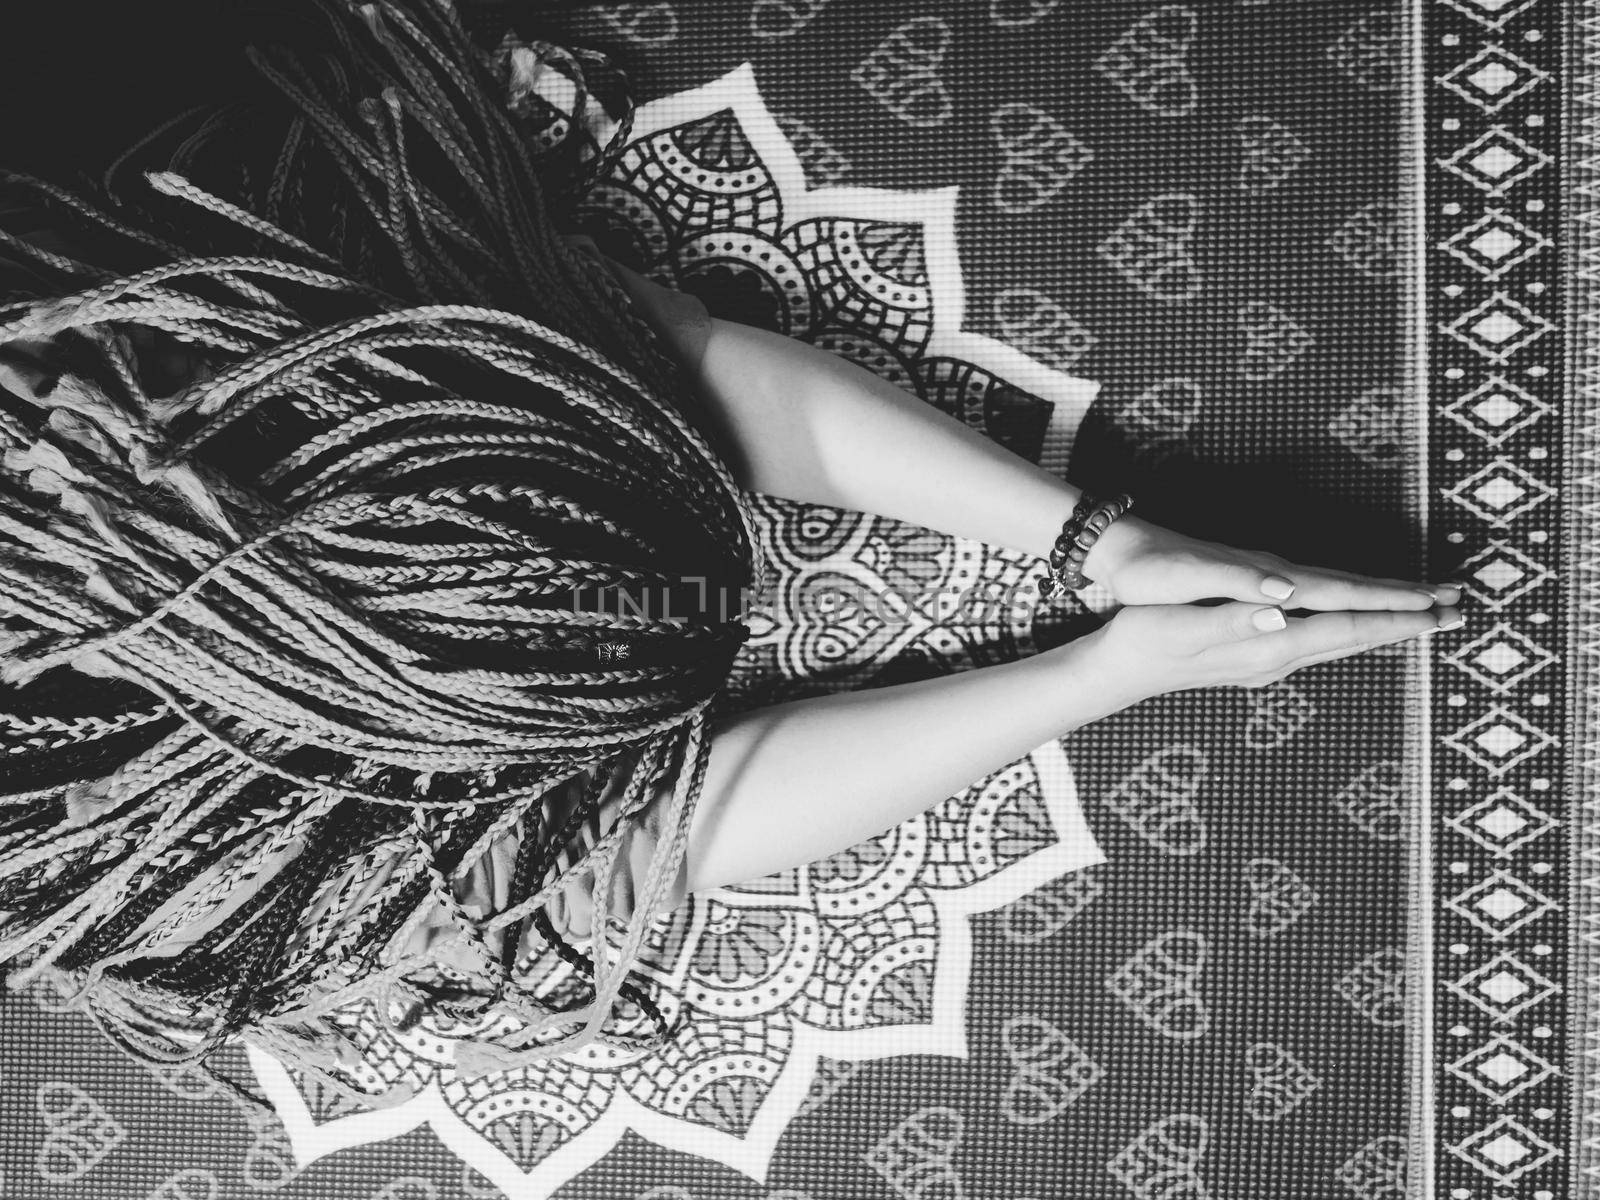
x=1431 y=594
x=1267 y=619
x=1278 y=587
x=1455 y=624
x=1448 y=594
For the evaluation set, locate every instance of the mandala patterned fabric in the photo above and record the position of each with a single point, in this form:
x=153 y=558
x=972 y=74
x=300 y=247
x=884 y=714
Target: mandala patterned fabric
x=1292 y=275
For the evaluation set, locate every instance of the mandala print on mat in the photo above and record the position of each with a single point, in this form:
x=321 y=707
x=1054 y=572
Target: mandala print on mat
x=866 y=954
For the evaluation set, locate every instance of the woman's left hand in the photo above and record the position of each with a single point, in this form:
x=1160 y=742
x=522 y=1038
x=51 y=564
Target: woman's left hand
x=1143 y=563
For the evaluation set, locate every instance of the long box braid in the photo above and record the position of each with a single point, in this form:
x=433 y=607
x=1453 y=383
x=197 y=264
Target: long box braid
x=320 y=450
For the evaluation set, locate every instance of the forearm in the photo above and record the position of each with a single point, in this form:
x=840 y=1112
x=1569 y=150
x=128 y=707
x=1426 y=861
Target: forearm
x=796 y=782
x=812 y=426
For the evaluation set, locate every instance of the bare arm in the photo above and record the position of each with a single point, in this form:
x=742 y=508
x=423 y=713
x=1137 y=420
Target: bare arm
x=809 y=425
x=796 y=782
x=793 y=783
x=812 y=426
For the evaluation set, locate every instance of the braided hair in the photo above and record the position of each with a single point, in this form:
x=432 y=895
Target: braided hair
x=329 y=606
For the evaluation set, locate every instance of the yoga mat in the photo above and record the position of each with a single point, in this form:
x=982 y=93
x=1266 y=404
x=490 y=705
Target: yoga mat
x=1322 y=939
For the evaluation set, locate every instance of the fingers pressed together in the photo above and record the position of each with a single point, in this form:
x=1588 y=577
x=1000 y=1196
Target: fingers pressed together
x=1327 y=590
x=1322 y=637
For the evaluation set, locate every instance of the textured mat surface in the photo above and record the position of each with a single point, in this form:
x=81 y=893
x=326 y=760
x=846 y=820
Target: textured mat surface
x=1512 y=443
x=1198 y=207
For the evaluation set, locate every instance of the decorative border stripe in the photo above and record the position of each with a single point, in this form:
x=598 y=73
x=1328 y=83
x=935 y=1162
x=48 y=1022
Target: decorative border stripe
x=1497 y=456
x=1582 y=270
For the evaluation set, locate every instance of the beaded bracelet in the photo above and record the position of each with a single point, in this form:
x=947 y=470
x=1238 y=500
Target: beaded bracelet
x=1090 y=518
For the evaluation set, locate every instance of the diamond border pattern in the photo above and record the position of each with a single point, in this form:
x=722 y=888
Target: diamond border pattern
x=1581 y=146
x=1497 y=337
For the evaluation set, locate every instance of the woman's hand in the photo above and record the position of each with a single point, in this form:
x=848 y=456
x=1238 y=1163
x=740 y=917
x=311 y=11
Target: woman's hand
x=1150 y=650
x=1142 y=563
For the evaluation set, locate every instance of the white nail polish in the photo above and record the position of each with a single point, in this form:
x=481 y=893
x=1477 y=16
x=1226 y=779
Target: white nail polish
x=1278 y=588
x=1268 y=619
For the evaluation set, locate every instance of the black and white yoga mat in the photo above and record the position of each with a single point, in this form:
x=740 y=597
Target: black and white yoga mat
x=1291 y=273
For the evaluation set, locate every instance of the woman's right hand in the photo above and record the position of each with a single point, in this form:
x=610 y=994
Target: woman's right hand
x=1150 y=650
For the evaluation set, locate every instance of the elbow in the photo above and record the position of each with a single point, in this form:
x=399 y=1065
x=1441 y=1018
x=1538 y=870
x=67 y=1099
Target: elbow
x=768 y=403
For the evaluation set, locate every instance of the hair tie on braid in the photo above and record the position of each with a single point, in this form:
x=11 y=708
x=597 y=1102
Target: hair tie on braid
x=329 y=601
